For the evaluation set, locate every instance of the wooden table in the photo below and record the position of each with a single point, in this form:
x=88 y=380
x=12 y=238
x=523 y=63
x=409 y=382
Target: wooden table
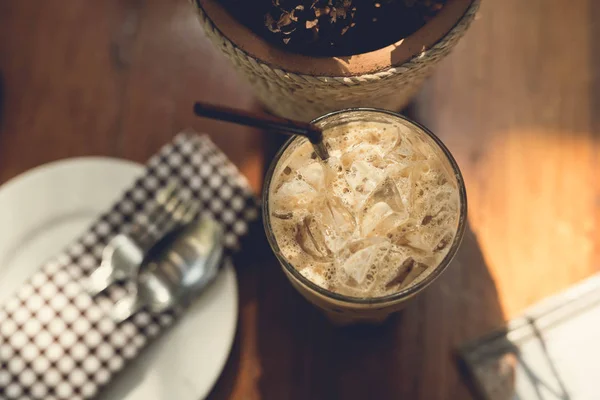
x=518 y=103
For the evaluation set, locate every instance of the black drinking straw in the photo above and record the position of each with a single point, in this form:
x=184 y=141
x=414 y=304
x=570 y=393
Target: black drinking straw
x=240 y=117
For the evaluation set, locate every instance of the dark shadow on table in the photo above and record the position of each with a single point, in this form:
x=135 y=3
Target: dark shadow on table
x=409 y=356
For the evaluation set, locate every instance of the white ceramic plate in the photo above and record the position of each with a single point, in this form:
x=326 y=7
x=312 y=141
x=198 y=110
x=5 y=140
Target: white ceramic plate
x=42 y=210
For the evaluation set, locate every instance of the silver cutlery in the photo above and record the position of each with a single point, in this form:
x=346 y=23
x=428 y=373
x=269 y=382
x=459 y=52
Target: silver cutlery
x=124 y=254
x=180 y=267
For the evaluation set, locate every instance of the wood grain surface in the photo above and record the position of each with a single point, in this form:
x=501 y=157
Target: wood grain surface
x=517 y=102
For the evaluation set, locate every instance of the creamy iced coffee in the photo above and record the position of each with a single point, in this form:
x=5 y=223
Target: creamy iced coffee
x=378 y=216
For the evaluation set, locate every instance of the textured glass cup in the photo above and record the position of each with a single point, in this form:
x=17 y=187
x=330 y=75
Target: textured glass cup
x=341 y=309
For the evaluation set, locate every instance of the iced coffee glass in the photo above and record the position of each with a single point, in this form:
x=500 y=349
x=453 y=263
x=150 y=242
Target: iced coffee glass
x=360 y=234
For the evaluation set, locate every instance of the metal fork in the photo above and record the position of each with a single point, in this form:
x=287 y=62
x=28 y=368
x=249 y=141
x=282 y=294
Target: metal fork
x=123 y=255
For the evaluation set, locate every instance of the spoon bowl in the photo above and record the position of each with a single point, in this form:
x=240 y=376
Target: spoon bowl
x=179 y=268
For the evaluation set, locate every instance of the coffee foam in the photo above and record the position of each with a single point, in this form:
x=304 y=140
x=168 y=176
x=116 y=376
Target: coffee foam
x=378 y=216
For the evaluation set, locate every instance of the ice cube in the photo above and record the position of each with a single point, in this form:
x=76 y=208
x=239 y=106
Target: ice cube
x=336 y=223
x=388 y=193
x=357 y=265
x=326 y=230
x=388 y=225
x=294 y=194
x=401 y=177
x=409 y=147
x=386 y=139
x=419 y=241
x=410 y=178
x=363 y=151
x=383 y=210
x=340 y=221
x=402 y=152
x=360 y=257
x=430 y=239
x=314 y=175
x=309 y=237
x=408 y=271
x=301 y=156
x=377 y=140
x=398 y=234
x=335 y=182
x=369 y=145
x=374 y=215
x=363 y=178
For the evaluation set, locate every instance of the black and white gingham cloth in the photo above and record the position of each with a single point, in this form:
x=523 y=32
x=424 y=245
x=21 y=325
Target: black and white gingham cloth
x=56 y=342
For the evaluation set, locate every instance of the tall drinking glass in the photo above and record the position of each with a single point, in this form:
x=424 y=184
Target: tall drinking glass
x=361 y=246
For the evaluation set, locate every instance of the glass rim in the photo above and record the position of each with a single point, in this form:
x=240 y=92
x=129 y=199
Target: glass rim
x=411 y=289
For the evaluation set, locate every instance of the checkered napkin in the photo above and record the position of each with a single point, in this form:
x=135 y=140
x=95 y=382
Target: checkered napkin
x=56 y=342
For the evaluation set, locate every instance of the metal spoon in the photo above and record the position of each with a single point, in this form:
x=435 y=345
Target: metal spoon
x=125 y=253
x=182 y=265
